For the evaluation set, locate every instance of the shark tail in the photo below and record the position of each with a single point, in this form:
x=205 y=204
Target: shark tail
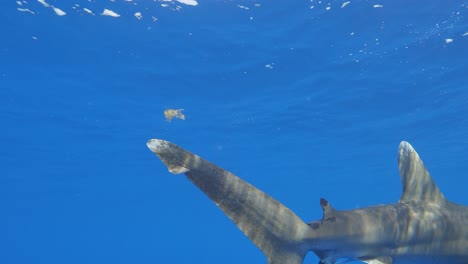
x=270 y=225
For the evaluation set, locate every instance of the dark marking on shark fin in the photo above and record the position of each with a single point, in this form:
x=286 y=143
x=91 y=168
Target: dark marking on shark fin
x=328 y=210
x=418 y=184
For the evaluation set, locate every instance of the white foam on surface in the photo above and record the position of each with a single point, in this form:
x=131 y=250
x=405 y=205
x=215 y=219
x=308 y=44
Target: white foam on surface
x=345 y=4
x=188 y=2
x=108 y=12
x=25 y=10
x=58 y=11
x=44 y=3
x=88 y=11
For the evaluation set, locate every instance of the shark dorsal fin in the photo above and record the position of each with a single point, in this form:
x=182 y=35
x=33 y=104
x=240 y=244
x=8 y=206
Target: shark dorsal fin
x=418 y=185
x=328 y=210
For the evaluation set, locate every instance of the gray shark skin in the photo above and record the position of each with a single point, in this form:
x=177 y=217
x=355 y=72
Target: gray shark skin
x=422 y=227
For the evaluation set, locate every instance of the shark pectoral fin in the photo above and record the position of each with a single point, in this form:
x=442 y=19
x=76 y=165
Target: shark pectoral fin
x=270 y=225
x=418 y=184
x=381 y=260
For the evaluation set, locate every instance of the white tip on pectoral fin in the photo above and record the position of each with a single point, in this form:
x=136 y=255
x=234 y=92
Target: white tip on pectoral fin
x=155 y=145
x=169 y=155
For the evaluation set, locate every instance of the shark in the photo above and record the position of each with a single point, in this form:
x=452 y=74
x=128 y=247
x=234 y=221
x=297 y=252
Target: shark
x=421 y=227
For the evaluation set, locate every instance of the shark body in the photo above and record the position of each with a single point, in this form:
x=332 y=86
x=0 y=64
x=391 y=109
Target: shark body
x=422 y=227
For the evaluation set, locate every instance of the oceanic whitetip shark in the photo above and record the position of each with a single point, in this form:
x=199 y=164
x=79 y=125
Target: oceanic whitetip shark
x=422 y=227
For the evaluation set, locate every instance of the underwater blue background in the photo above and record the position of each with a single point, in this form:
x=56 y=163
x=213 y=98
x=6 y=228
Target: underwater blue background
x=303 y=99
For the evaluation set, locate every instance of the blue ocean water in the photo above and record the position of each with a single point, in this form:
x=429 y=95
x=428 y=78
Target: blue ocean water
x=303 y=99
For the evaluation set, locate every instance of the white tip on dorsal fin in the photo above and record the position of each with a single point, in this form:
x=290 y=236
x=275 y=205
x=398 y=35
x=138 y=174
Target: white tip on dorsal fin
x=418 y=185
